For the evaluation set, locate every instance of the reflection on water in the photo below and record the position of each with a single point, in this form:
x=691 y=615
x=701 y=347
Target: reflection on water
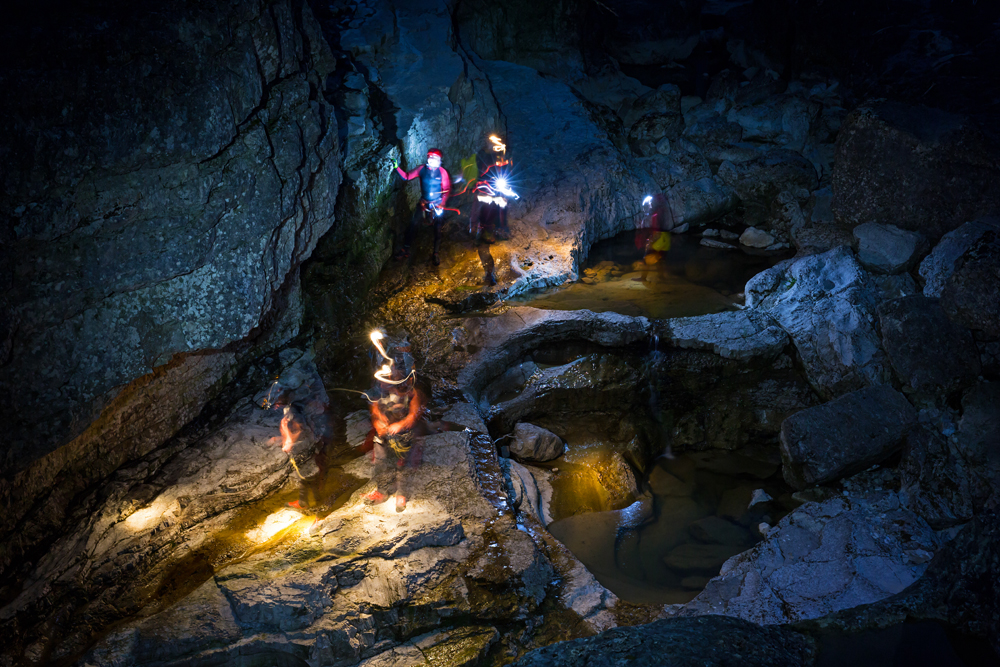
x=665 y=547
x=685 y=280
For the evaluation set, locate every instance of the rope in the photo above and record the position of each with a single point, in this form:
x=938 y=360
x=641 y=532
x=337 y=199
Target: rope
x=296 y=466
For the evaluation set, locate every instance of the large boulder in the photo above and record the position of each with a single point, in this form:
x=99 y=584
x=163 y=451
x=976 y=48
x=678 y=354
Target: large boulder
x=938 y=266
x=885 y=248
x=921 y=169
x=826 y=303
x=931 y=355
x=844 y=436
x=821 y=558
x=969 y=297
x=534 y=443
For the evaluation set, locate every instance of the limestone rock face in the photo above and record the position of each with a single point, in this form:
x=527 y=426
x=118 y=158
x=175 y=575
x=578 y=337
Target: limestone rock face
x=844 y=436
x=784 y=120
x=164 y=205
x=938 y=266
x=757 y=182
x=534 y=443
x=821 y=558
x=163 y=191
x=703 y=200
x=886 y=248
x=717 y=138
x=682 y=642
x=931 y=355
x=922 y=169
x=969 y=297
x=826 y=304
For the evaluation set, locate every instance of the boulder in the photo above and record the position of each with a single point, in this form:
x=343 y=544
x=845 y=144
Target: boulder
x=970 y=295
x=931 y=355
x=820 y=558
x=846 y=435
x=919 y=168
x=534 y=443
x=163 y=203
x=826 y=304
x=684 y=642
x=885 y=248
x=756 y=238
x=938 y=266
x=785 y=219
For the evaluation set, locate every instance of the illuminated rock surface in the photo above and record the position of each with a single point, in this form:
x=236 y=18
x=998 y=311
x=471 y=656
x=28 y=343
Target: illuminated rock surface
x=217 y=181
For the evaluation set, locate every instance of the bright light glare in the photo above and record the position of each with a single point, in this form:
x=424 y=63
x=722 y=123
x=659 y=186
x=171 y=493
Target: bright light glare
x=146 y=518
x=376 y=336
x=647 y=200
x=273 y=524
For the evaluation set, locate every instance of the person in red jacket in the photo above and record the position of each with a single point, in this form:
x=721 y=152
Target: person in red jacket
x=395 y=416
x=435 y=186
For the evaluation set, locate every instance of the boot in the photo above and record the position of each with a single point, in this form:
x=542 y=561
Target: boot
x=400 y=502
x=490 y=280
x=376 y=497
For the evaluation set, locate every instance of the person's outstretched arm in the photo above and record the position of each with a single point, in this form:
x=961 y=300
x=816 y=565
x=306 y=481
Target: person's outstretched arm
x=409 y=176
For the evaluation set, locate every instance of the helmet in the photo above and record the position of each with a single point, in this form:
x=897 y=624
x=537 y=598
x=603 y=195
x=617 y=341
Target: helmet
x=434 y=151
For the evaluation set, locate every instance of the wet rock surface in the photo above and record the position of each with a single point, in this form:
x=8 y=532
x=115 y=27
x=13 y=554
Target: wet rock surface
x=821 y=558
x=534 y=443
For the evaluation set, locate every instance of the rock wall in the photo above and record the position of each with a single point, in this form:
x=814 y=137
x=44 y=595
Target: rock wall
x=167 y=169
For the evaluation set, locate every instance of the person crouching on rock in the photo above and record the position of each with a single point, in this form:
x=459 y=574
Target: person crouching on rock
x=435 y=186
